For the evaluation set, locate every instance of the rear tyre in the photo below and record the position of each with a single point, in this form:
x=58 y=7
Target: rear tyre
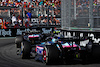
x=50 y=54
x=88 y=53
x=96 y=51
x=25 y=50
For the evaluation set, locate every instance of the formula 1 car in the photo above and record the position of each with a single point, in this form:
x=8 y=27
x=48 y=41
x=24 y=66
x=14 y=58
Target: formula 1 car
x=49 y=48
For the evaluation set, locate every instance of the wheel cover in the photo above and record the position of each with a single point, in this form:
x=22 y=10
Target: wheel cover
x=22 y=48
x=44 y=55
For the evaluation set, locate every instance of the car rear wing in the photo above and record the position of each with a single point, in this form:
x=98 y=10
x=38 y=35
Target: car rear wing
x=31 y=32
x=74 y=39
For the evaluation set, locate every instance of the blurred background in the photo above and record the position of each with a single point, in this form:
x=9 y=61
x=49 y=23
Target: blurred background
x=69 y=14
x=81 y=14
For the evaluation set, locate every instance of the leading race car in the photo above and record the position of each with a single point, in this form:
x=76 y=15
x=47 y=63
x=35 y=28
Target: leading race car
x=50 y=48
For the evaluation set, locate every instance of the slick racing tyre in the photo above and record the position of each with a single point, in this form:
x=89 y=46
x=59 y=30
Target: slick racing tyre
x=96 y=51
x=50 y=54
x=86 y=56
x=18 y=41
x=25 y=50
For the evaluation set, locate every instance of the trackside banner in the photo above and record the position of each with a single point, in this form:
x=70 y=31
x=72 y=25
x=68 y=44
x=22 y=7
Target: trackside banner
x=4 y=32
x=15 y=32
x=71 y=33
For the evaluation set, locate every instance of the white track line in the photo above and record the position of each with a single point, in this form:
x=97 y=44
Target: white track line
x=7 y=37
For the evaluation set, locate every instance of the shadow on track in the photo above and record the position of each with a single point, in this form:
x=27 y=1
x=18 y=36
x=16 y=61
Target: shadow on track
x=75 y=62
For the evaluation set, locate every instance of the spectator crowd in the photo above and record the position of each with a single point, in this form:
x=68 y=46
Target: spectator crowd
x=51 y=4
x=41 y=8
x=30 y=3
x=83 y=7
x=81 y=3
x=82 y=11
x=52 y=7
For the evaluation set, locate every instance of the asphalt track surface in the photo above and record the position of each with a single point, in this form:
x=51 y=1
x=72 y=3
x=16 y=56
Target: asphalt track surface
x=8 y=58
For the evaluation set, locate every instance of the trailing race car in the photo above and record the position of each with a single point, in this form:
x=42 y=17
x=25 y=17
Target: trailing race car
x=50 y=48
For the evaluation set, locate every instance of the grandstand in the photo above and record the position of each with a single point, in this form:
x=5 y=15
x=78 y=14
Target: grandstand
x=42 y=12
x=82 y=14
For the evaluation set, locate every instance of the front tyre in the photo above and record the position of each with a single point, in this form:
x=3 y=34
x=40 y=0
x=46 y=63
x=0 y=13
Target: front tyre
x=18 y=41
x=25 y=50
